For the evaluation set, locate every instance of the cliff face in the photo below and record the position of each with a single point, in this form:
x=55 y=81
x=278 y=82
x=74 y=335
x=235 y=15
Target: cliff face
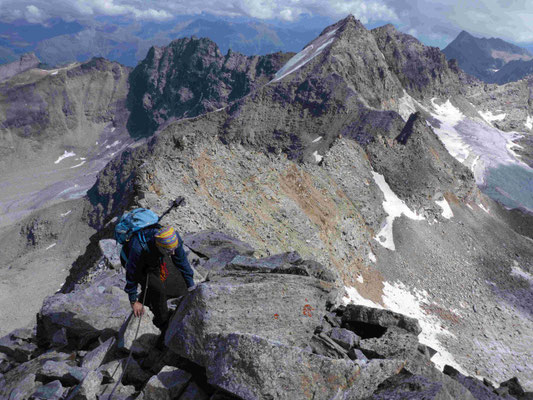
x=190 y=77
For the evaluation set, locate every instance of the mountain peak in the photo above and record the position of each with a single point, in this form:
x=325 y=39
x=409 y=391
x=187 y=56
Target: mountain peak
x=464 y=35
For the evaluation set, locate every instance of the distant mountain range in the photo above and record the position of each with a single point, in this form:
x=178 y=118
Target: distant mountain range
x=491 y=60
x=128 y=42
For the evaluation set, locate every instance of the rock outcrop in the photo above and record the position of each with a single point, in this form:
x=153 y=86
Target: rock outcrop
x=248 y=334
x=190 y=77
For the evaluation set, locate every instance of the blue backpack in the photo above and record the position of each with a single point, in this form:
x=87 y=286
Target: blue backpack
x=134 y=222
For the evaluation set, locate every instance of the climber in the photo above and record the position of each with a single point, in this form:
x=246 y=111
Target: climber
x=146 y=259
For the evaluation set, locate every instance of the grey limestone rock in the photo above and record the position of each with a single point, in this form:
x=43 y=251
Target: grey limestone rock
x=63 y=371
x=96 y=357
x=478 y=390
x=355 y=313
x=89 y=388
x=111 y=251
x=19 y=345
x=408 y=386
x=51 y=391
x=265 y=264
x=210 y=243
x=122 y=392
x=85 y=314
x=395 y=343
x=146 y=337
x=284 y=308
x=284 y=372
x=22 y=390
x=344 y=337
x=166 y=385
x=325 y=346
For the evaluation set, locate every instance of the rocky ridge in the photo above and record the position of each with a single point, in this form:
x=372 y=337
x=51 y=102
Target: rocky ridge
x=253 y=328
x=190 y=77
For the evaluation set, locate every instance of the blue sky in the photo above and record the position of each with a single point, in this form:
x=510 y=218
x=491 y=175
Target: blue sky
x=435 y=22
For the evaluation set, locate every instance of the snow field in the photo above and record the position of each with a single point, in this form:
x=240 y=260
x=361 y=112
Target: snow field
x=304 y=56
x=398 y=298
x=446 y=210
x=394 y=207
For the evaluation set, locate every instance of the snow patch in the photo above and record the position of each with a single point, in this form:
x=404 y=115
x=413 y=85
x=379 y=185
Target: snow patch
x=78 y=165
x=115 y=143
x=67 y=213
x=394 y=207
x=66 y=154
x=407 y=106
x=304 y=56
x=317 y=139
x=54 y=73
x=318 y=157
x=52 y=245
x=483 y=208
x=372 y=257
x=516 y=271
x=398 y=298
x=360 y=279
x=490 y=117
x=446 y=210
x=450 y=116
x=113 y=129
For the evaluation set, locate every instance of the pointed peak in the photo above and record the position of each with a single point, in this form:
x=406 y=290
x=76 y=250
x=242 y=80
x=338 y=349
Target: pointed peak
x=349 y=22
x=464 y=35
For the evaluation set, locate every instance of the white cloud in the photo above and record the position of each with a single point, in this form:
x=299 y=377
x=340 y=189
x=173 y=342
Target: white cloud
x=434 y=20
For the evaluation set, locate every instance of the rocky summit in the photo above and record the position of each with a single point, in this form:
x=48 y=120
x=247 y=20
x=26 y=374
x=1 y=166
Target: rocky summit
x=354 y=216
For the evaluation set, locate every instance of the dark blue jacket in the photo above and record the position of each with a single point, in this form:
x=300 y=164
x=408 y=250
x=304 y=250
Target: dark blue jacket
x=147 y=259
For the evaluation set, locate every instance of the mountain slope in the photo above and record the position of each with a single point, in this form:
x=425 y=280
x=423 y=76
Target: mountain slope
x=483 y=57
x=320 y=161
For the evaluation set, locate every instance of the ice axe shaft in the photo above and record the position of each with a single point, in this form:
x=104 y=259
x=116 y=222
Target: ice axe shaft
x=180 y=201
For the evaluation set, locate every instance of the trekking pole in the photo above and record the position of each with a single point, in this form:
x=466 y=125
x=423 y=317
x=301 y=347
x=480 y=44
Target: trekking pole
x=180 y=201
x=131 y=350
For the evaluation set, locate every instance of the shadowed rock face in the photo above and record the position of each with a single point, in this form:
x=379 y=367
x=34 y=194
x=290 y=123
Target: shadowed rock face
x=422 y=70
x=190 y=77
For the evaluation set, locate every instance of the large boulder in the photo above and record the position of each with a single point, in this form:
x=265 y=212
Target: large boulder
x=111 y=252
x=63 y=371
x=85 y=314
x=166 y=385
x=395 y=343
x=283 y=308
x=253 y=367
x=140 y=341
x=359 y=316
x=210 y=243
x=97 y=356
x=265 y=264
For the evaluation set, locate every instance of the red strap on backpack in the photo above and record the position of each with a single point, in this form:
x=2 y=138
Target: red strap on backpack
x=163 y=271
